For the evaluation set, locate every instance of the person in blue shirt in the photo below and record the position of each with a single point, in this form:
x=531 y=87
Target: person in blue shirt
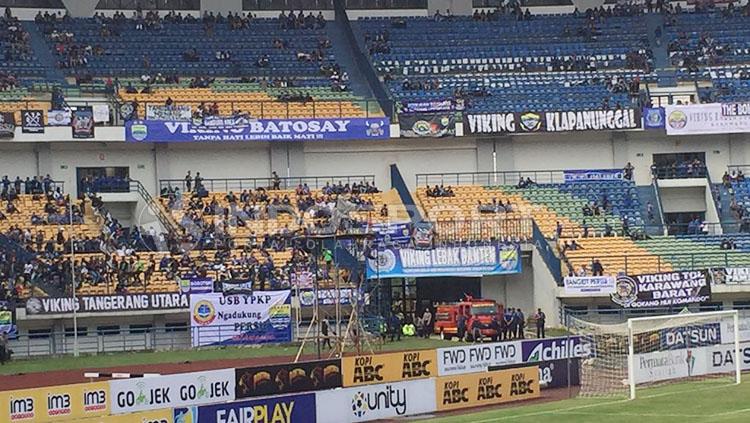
x=508 y=319
x=520 y=323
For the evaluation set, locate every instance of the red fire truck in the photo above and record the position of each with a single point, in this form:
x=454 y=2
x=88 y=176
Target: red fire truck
x=475 y=309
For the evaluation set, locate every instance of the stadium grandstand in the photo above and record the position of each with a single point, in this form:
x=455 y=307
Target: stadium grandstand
x=331 y=176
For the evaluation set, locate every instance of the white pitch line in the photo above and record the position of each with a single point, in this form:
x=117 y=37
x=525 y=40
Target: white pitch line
x=589 y=413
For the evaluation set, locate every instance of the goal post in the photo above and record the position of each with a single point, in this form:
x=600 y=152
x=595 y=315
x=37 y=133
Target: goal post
x=682 y=347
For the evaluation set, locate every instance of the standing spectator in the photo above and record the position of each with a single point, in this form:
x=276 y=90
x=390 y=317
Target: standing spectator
x=507 y=321
x=461 y=324
x=427 y=322
x=4 y=350
x=650 y=212
x=395 y=327
x=276 y=181
x=188 y=182
x=558 y=229
x=521 y=324
x=324 y=332
x=596 y=268
x=540 y=320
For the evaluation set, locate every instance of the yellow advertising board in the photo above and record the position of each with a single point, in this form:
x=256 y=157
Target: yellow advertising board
x=55 y=403
x=488 y=388
x=390 y=367
x=158 y=416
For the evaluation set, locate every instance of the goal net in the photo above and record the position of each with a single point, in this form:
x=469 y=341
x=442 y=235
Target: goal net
x=652 y=351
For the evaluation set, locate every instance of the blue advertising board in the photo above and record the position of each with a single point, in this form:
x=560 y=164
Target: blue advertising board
x=555 y=349
x=586 y=175
x=690 y=336
x=653 y=117
x=286 y=408
x=259 y=130
x=195 y=285
x=456 y=260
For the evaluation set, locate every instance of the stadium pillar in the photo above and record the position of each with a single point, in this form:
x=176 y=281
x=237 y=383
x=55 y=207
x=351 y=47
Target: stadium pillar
x=80 y=8
x=457 y=7
x=221 y=6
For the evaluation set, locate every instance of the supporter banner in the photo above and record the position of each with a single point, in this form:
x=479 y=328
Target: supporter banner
x=548 y=349
x=325 y=297
x=237 y=286
x=554 y=373
x=653 y=117
x=287 y=378
x=375 y=402
x=280 y=409
x=262 y=317
x=173 y=113
x=101 y=113
x=391 y=233
x=560 y=121
x=586 y=175
x=731 y=275
x=662 y=289
x=466 y=260
x=59 y=117
x=430 y=106
x=477 y=358
x=32 y=121
x=690 y=336
x=260 y=130
x=83 y=122
x=7 y=125
x=6 y=318
x=302 y=279
x=708 y=118
x=196 y=285
x=107 y=303
x=391 y=367
x=178 y=390
x=488 y=388
x=55 y=403
x=589 y=285
x=433 y=125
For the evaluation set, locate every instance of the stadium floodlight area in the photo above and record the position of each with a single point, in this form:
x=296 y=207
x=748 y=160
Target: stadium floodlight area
x=656 y=350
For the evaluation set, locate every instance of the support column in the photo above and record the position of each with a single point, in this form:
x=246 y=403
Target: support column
x=80 y=8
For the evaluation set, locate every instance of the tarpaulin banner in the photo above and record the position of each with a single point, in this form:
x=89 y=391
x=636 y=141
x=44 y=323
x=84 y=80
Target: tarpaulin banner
x=55 y=403
x=302 y=279
x=59 y=117
x=288 y=378
x=731 y=275
x=7 y=124
x=430 y=106
x=178 y=390
x=554 y=373
x=101 y=113
x=662 y=289
x=487 y=388
x=589 y=285
x=653 y=117
x=107 y=303
x=656 y=366
x=390 y=367
x=190 y=285
x=548 y=349
x=586 y=175
x=458 y=260
x=477 y=358
x=260 y=130
x=173 y=113
x=262 y=317
x=428 y=125
x=326 y=297
x=83 y=122
x=237 y=286
x=708 y=118
x=299 y=408
x=558 y=121
x=32 y=121
x=385 y=401
x=391 y=233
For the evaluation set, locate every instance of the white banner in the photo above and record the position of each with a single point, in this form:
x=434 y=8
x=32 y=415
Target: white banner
x=179 y=390
x=589 y=285
x=59 y=117
x=171 y=113
x=101 y=112
x=727 y=329
x=675 y=364
x=721 y=358
x=709 y=118
x=477 y=358
x=376 y=402
x=261 y=317
x=731 y=275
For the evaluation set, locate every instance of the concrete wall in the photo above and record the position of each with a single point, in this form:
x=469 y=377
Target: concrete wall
x=683 y=199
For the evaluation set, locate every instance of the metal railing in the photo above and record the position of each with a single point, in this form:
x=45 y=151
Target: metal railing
x=491 y=178
x=286 y=183
x=167 y=223
x=666 y=262
x=612 y=314
x=679 y=172
x=483 y=230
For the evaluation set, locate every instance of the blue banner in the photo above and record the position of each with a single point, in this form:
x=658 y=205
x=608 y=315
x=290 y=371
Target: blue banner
x=586 y=175
x=241 y=129
x=287 y=409
x=690 y=336
x=457 y=260
x=392 y=233
x=653 y=117
x=195 y=285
